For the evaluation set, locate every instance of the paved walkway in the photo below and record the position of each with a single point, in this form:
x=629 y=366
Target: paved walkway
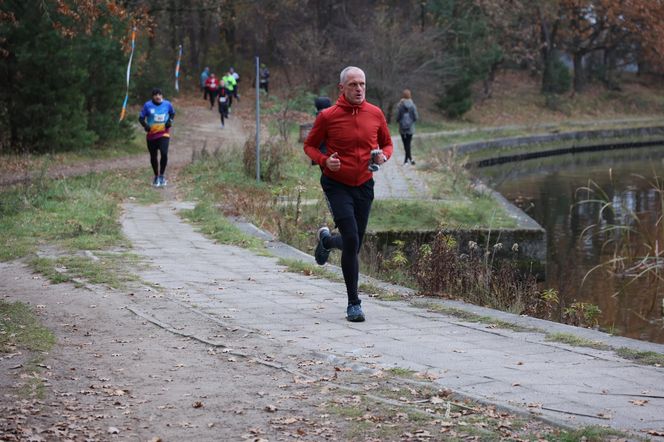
x=396 y=180
x=516 y=370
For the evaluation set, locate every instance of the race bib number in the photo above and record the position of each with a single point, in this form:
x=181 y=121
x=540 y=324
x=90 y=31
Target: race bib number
x=160 y=118
x=222 y=99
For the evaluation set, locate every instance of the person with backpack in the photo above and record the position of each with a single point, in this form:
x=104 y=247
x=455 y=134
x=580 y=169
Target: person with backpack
x=321 y=103
x=156 y=117
x=406 y=117
x=264 y=78
x=223 y=101
x=212 y=87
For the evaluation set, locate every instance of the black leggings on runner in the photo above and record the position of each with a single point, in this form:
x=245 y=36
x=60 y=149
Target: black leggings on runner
x=156 y=146
x=350 y=207
x=406 y=139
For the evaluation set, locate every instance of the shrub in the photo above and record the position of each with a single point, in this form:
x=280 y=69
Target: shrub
x=273 y=156
x=557 y=78
x=476 y=276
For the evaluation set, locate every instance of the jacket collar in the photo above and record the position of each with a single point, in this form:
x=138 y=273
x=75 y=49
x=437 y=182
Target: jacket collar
x=352 y=108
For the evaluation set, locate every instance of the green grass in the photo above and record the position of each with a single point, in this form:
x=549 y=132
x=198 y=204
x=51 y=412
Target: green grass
x=78 y=213
x=297 y=266
x=109 y=269
x=641 y=357
x=20 y=329
x=576 y=341
x=588 y=434
x=402 y=372
x=464 y=212
x=472 y=317
x=212 y=223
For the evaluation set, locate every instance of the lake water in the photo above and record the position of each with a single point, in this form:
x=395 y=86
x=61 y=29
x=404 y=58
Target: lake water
x=548 y=189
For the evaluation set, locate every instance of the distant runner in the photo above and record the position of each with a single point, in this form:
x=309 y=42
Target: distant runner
x=156 y=117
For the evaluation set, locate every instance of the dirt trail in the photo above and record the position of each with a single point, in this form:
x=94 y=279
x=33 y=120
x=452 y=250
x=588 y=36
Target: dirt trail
x=119 y=373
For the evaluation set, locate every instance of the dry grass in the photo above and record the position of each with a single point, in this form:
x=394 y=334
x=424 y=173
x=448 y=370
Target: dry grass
x=517 y=100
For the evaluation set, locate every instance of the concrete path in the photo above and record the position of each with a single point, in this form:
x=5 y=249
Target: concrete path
x=520 y=371
x=396 y=180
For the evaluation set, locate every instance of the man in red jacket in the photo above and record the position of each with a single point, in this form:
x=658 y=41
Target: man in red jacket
x=357 y=140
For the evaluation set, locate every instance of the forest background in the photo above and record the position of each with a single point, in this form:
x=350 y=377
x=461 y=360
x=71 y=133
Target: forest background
x=63 y=63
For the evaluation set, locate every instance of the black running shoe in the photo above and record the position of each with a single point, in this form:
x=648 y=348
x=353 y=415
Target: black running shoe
x=354 y=313
x=321 y=254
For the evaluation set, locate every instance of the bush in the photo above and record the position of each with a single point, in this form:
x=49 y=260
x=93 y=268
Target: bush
x=476 y=276
x=557 y=78
x=273 y=156
x=457 y=99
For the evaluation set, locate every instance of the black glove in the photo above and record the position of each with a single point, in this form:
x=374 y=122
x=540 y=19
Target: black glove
x=141 y=120
x=169 y=123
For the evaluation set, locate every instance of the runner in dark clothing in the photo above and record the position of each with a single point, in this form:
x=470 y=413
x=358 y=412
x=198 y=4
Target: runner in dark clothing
x=357 y=137
x=156 y=117
x=224 y=101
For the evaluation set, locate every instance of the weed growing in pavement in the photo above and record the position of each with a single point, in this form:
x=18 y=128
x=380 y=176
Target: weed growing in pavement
x=471 y=317
x=297 y=266
x=641 y=357
x=576 y=341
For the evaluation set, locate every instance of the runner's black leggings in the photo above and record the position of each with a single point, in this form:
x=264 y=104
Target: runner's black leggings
x=350 y=208
x=406 y=139
x=156 y=146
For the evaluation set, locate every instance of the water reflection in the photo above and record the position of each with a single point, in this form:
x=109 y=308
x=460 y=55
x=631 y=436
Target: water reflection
x=549 y=190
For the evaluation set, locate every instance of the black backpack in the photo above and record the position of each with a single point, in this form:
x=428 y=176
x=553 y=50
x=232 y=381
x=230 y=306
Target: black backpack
x=406 y=121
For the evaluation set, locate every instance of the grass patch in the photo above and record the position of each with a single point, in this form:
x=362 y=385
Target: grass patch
x=212 y=223
x=576 y=341
x=20 y=329
x=379 y=293
x=297 y=266
x=641 y=357
x=79 y=213
x=472 y=317
x=108 y=269
x=402 y=372
x=588 y=434
x=460 y=211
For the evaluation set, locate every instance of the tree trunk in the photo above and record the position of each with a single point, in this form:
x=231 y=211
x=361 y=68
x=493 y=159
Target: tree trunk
x=546 y=51
x=579 y=72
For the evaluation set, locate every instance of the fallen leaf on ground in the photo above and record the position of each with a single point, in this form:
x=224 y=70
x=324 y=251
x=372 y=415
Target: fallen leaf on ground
x=639 y=402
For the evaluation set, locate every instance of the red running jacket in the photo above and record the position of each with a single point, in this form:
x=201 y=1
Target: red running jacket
x=352 y=132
